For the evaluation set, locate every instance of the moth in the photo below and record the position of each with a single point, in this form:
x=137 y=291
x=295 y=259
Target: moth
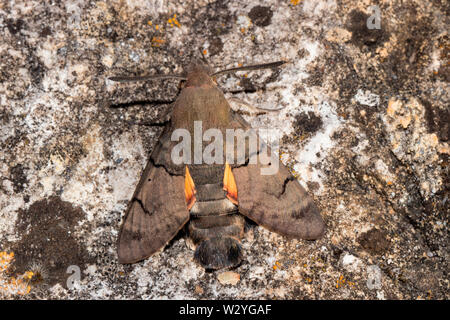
x=211 y=199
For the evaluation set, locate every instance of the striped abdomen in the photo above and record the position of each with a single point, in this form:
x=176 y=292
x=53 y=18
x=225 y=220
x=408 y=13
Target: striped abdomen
x=215 y=226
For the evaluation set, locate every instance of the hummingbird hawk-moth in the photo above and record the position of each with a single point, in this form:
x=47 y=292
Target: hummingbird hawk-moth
x=210 y=199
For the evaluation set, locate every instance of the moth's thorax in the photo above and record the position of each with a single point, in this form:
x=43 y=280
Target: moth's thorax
x=198 y=76
x=199 y=79
x=201 y=104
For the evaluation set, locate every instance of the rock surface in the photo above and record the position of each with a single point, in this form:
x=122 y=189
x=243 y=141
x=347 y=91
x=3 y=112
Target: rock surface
x=364 y=126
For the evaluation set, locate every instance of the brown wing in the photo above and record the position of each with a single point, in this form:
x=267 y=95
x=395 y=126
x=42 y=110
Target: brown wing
x=277 y=202
x=155 y=214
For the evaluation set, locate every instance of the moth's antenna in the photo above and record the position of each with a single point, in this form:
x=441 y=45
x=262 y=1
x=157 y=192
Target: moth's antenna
x=269 y=65
x=145 y=78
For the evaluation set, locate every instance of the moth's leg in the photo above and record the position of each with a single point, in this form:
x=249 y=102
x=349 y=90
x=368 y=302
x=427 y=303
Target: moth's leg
x=114 y=105
x=163 y=119
x=243 y=107
x=164 y=116
x=147 y=123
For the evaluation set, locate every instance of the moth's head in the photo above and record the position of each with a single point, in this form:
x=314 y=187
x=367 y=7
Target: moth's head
x=199 y=75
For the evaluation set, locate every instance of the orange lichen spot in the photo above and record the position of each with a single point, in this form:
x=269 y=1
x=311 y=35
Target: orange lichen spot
x=5 y=259
x=157 y=27
x=229 y=184
x=303 y=137
x=199 y=289
x=205 y=52
x=156 y=41
x=189 y=189
x=173 y=21
x=149 y=22
x=277 y=265
x=389 y=183
x=243 y=30
x=342 y=281
x=295 y=2
x=12 y=285
x=343 y=115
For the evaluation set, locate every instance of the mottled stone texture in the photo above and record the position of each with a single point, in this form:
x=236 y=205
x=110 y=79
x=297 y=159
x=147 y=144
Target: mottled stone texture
x=364 y=126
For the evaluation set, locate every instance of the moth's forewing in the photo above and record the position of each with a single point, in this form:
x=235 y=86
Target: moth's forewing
x=156 y=212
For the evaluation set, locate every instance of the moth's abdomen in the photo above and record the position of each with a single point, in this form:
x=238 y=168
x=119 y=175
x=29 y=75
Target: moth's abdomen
x=215 y=226
x=213 y=215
